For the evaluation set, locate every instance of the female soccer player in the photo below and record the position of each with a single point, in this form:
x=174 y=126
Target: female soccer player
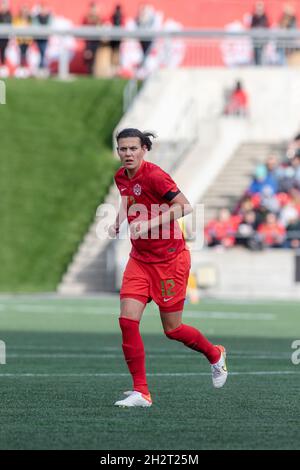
x=159 y=263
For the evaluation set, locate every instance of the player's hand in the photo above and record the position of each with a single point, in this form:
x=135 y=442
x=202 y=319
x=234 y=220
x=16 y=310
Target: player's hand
x=138 y=229
x=112 y=231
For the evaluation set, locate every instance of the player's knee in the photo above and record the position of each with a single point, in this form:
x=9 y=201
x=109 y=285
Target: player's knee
x=131 y=309
x=173 y=333
x=127 y=323
x=128 y=317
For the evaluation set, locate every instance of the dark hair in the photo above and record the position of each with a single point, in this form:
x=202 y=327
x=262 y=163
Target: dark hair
x=143 y=136
x=297 y=137
x=297 y=153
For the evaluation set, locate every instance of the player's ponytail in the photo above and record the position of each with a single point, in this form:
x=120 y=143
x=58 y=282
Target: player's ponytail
x=145 y=137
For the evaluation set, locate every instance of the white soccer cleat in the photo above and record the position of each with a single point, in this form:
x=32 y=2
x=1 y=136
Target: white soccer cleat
x=135 y=399
x=219 y=369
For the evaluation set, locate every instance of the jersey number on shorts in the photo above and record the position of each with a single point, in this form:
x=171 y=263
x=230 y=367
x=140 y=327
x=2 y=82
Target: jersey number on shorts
x=166 y=287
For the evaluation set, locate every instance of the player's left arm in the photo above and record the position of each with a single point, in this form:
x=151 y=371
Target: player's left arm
x=179 y=207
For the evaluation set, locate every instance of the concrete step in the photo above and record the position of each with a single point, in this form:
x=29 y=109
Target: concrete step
x=216 y=201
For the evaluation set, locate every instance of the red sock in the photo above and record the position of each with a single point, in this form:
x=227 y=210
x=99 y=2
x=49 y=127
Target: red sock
x=134 y=353
x=194 y=339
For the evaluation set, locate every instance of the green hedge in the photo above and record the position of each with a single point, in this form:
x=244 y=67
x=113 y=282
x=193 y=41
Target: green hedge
x=56 y=166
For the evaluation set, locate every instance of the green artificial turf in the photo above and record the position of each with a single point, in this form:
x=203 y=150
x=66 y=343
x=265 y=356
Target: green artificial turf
x=64 y=370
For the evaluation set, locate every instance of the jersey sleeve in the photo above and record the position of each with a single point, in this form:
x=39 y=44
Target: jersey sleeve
x=117 y=181
x=164 y=185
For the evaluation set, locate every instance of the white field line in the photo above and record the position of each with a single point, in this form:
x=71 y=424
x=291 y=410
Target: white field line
x=59 y=310
x=187 y=356
x=117 y=349
x=150 y=374
x=54 y=297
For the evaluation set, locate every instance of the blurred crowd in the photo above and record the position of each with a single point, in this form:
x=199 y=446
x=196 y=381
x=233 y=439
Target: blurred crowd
x=260 y=19
x=23 y=57
x=262 y=50
x=268 y=213
x=39 y=15
x=131 y=57
x=103 y=57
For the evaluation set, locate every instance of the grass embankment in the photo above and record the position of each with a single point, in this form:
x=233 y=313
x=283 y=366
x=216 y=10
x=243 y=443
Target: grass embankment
x=56 y=167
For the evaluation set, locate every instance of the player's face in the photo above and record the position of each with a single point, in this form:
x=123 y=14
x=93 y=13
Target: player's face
x=131 y=153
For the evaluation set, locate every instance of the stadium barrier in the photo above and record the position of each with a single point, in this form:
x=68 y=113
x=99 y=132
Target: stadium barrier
x=173 y=48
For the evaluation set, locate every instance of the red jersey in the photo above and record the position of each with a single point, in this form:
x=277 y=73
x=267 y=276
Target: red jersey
x=151 y=187
x=240 y=98
x=220 y=230
x=272 y=234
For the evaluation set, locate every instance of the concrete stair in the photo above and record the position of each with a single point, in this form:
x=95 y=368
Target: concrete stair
x=91 y=269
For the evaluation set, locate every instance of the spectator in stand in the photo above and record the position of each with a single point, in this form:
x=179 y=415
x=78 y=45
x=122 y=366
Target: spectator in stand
x=288 y=213
x=293 y=233
x=294 y=196
x=92 y=18
x=23 y=19
x=246 y=233
x=117 y=20
x=42 y=17
x=5 y=18
x=237 y=101
x=274 y=169
x=286 y=181
x=284 y=199
x=271 y=233
x=221 y=231
x=244 y=205
x=262 y=180
x=146 y=20
x=250 y=202
x=290 y=177
x=259 y=20
x=296 y=168
x=293 y=146
x=287 y=20
x=269 y=201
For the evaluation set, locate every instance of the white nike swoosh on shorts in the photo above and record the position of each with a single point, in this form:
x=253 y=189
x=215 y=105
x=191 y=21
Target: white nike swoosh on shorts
x=167 y=300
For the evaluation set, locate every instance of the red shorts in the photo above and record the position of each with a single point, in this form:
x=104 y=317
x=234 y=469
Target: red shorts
x=165 y=283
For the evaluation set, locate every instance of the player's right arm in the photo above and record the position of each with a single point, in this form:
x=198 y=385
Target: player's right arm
x=114 y=229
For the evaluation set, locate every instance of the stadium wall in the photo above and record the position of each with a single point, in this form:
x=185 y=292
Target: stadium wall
x=240 y=273
x=193 y=13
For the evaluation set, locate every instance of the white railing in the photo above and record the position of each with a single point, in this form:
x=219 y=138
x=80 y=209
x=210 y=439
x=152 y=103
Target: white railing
x=108 y=32
x=188 y=47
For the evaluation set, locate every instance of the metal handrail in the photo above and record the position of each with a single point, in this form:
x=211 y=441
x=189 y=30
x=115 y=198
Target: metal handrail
x=109 y=32
x=284 y=41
